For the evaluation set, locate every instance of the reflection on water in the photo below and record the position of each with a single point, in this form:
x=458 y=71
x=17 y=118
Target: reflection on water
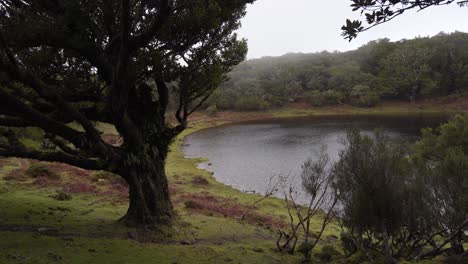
x=246 y=155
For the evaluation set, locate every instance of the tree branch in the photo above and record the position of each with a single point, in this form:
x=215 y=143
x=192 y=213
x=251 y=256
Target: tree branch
x=161 y=18
x=48 y=92
x=62 y=157
x=62 y=145
x=40 y=120
x=14 y=122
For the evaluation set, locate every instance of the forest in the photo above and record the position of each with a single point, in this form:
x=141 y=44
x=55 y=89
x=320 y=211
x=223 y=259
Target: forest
x=405 y=70
x=101 y=102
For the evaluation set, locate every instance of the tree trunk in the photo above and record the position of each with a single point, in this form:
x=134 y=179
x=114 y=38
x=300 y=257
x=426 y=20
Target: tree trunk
x=150 y=203
x=389 y=259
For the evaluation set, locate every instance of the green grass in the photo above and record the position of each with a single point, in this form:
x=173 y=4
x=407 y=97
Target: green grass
x=91 y=222
x=85 y=229
x=378 y=110
x=30 y=248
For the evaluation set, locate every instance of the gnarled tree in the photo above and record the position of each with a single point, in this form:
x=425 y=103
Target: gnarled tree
x=115 y=62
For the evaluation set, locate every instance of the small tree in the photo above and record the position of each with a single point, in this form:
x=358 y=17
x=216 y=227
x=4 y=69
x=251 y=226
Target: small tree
x=370 y=178
x=317 y=182
x=442 y=159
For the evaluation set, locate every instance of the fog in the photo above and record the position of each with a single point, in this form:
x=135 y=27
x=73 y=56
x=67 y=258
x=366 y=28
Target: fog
x=276 y=27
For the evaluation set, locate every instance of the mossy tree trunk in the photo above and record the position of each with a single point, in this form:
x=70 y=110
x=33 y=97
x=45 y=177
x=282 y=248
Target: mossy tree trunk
x=150 y=202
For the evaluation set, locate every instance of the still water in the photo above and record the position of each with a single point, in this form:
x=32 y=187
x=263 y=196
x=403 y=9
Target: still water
x=246 y=155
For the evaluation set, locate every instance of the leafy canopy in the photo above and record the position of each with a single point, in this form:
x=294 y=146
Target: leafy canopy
x=118 y=62
x=377 y=12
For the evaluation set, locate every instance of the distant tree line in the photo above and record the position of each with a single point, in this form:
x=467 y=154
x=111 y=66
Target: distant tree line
x=381 y=69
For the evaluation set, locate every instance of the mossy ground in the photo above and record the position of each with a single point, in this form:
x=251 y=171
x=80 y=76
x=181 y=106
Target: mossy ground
x=36 y=228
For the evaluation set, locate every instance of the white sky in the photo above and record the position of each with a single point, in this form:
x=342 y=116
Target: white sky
x=276 y=27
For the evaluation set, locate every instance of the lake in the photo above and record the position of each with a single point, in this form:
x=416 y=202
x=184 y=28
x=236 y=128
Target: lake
x=246 y=155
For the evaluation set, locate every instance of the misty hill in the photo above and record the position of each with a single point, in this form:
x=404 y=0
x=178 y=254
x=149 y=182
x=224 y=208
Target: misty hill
x=381 y=69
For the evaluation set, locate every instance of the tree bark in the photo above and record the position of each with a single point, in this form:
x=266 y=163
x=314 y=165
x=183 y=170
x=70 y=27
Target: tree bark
x=150 y=203
x=389 y=259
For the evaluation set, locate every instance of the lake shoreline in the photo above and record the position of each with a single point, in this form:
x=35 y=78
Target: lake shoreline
x=202 y=122
x=88 y=221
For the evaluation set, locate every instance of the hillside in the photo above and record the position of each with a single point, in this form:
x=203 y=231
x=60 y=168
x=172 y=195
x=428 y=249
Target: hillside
x=406 y=70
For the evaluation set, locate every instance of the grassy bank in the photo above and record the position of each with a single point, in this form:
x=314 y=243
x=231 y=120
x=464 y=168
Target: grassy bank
x=37 y=226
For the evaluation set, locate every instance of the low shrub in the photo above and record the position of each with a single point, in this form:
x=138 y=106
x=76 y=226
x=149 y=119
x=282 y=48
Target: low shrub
x=368 y=100
x=363 y=96
x=40 y=170
x=456 y=259
x=251 y=103
x=192 y=205
x=212 y=110
x=328 y=97
x=357 y=258
x=327 y=253
x=333 y=97
x=348 y=244
x=62 y=196
x=305 y=248
x=198 y=180
x=314 y=98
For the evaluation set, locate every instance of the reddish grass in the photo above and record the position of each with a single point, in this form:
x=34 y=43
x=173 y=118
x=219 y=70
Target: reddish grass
x=73 y=171
x=208 y=204
x=43 y=181
x=15 y=175
x=79 y=187
x=5 y=162
x=19 y=173
x=118 y=189
x=172 y=189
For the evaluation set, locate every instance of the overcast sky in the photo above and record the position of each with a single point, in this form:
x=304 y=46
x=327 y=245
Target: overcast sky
x=276 y=27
